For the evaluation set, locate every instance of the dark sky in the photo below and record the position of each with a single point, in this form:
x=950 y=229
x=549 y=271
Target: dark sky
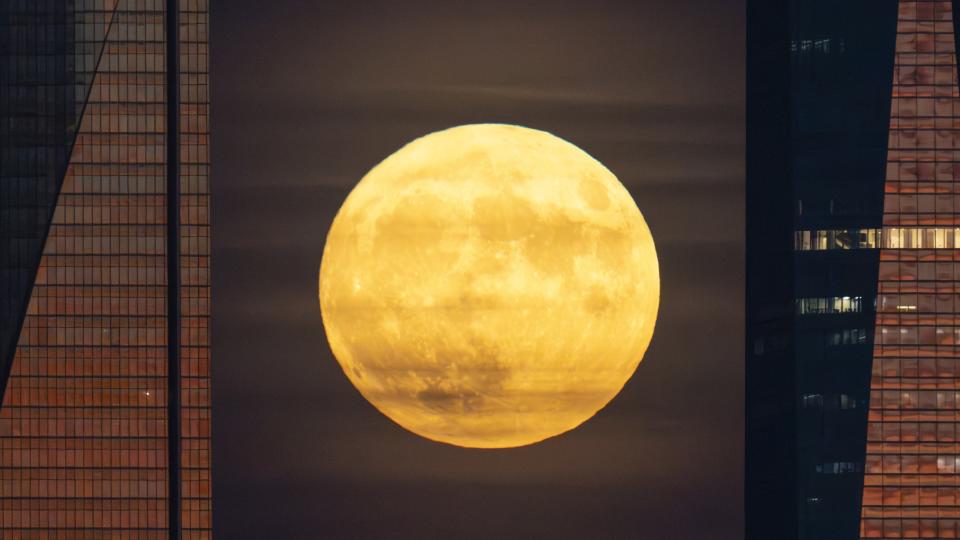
x=308 y=96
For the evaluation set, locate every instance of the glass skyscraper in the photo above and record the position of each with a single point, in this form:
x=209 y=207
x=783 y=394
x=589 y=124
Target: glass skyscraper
x=853 y=293
x=104 y=336
x=912 y=461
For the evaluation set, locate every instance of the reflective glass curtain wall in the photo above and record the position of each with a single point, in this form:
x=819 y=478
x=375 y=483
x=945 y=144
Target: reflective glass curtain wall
x=819 y=84
x=48 y=54
x=912 y=469
x=83 y=424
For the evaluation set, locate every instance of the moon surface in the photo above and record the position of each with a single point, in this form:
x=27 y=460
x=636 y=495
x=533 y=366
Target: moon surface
x=489 y=286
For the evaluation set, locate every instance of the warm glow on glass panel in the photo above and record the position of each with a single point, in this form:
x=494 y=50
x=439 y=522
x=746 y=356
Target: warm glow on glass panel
x=912 y=453
x=83 y=426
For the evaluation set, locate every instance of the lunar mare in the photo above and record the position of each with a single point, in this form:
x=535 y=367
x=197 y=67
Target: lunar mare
x=489 y=286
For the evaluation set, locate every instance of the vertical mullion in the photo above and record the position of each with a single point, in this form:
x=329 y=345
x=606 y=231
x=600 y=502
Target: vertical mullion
x=173 y=265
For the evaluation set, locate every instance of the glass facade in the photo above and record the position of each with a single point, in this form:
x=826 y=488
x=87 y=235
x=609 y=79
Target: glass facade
x=48 y=55
x=886 y=238
x=911 y=481
x=819 y=78
x=835 y=304
x=852 y=415
x=84 y=446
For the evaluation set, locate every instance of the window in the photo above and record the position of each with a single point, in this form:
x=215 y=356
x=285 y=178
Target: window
x=839 y=467
x=888 y=238
x=811 y=401
x=841 y=402
x=846 y=402
x=853 y=336
x=833 y=304
x=836 y=239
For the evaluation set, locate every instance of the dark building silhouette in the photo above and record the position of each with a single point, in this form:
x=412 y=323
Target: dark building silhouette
x=104 y=338
x=853 y=293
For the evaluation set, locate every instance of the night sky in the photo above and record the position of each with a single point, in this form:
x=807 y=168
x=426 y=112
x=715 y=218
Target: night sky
x=308 y=96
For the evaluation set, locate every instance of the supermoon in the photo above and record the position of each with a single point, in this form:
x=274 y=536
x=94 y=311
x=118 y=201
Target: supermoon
x=489 y=286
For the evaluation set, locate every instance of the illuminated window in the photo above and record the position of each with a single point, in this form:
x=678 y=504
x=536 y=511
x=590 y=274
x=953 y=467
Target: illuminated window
x=854 y=336
x=811 y=401
x=828 y=305
x=828 y=402
x=820 y=240
x=887 y=238
x=839 y=467
x=845 y=402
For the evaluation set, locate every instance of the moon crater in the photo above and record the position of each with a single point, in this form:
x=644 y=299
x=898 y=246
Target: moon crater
x=489 y=286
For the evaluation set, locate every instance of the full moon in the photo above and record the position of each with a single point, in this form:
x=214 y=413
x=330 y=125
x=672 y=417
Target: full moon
x=489 y=286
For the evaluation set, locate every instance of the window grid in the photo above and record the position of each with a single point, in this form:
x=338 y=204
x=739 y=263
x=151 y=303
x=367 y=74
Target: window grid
x=911 y=482
x=887 y=238
x=83 y=425
x=195 y=270
x=829 y=305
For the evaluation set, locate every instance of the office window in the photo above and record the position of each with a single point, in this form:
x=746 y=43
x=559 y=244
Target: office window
x=850 y=336
x=839 y=467
x=829 y=305
x=83 y=424
x=912 y=447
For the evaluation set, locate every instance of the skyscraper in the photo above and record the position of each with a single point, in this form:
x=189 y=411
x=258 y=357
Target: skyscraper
x=104 y=337
x=912 y=466
x=853 y=366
